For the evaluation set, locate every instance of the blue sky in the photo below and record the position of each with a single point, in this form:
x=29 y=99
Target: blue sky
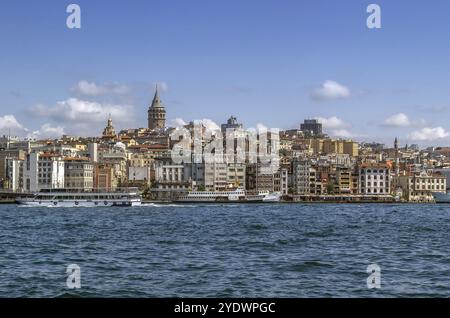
x=264 y=61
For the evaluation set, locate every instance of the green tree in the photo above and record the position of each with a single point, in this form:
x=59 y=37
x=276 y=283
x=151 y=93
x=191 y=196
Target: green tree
x=154 y=184
x=330 y=187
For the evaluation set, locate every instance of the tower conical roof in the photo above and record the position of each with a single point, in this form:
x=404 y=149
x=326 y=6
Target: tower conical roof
x=156 y=103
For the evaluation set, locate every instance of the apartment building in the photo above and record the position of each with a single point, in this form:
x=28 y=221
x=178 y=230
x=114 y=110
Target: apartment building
x=419 y=187
x=216 y=176
x=79 y=173
x=14 y=174
x=105 y=177
x=374 y=179
x=281 y=181
x=43 y=171
x=236 y=175
x=170 y=176
x=302 y=172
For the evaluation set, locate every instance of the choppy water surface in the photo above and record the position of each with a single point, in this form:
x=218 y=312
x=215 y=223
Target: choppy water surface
x=282 y=250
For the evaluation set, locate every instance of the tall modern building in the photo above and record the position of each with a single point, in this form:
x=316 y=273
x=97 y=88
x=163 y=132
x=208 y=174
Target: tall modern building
x=311 y=127
x=156 y=113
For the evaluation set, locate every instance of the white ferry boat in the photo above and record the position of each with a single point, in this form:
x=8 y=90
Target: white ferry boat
x=233 y=196
x=76 y=198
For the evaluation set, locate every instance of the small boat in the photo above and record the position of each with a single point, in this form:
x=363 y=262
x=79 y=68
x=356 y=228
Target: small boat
x=441 y=197
x=83 y=198
x=233 y=196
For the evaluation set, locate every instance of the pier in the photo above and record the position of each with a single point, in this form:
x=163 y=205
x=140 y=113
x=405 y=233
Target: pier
x=8 y=196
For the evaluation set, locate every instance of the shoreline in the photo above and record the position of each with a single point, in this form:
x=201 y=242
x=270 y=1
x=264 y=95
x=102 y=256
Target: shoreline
x=12 y=202
x=291 y=202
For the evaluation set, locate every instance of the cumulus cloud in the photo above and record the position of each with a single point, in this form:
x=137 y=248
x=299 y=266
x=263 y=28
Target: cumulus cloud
x=330 y=90
x=9 y=125
x=47 y=131
x=261 y=127
x=9 y=122
x=85 y=117
x=429 y=134
x=92 y=89
x=76 y=110
x=210 y=124
x=397 y=120
x=178 y=122
x=342 y=133
x=332 y=122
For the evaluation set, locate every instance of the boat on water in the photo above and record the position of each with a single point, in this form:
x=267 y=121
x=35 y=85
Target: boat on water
x=123 y=197
x=233 y=196
x=441 y=197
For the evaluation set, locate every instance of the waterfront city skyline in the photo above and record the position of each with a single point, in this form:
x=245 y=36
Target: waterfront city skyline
x=275 y=66
x=224 y=156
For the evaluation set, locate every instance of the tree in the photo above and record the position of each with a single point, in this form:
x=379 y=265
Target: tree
x=330 y=187
x=155 y=184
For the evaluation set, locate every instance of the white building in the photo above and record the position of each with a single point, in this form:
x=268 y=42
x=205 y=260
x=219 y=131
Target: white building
x=170 y=176
x=43 y=171
x=14 y=174
x=374 y=179
x=139 y=174
x=93 y=151
x=419 y=187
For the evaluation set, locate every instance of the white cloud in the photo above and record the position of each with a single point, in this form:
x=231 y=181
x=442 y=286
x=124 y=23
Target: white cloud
x=332 y=122
x=76 y=110
x=178 y=122
x=397 y=120
x=330 y=90
x=429 y=134
x=261 y=127
x=47 y=131
x=210 y=124
x=9 y=122
x=9 y=125
x=85 y=118
x=342 y=133
x=93 y=89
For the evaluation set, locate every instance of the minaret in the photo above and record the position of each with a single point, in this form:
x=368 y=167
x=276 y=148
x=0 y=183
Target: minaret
x=397 y=159
x=156 y=113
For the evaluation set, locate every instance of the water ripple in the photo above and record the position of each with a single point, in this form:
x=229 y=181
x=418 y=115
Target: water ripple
x=172 y=250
